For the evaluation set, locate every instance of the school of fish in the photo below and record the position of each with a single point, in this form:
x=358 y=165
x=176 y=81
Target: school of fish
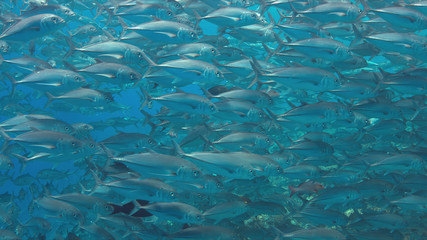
x=213 y=119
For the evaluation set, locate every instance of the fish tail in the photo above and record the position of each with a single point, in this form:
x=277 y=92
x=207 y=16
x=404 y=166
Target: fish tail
x=71 y=45
x=257 y=70
x=198 y=19
x=366 y=8
x=70 y=66
x=207 y=93
x=146 y=98
x=13 y=81
x=263 y=7
x=293 y=190
x=124 y=26
x=177 y=148
x=282 y=16
x=269 y=52
x=50 y=98
x=281 y=43
x=100 y=9
x=6 y=138
x=149 y=60
x=23 y=160
x=357 y=36
x=294 y=12
x=147 y=117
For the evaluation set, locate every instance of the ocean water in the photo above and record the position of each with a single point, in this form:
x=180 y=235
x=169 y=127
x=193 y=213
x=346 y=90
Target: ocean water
x=262 y=135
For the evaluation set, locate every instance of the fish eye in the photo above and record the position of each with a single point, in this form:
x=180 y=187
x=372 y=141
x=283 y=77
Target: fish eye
x=172 y=194
x=267 y=140
x=132 y=76
x=218 y=73
x=139 y=55
x=169 y=13
x=192 y=34
x=195 y=172
x=91 y=145
x=253 y=15
x=67 y=128
x=261 y=115
x=76 y=78
x=150 y=141
x=67 y=11
x=92 y=29
x=212 y=107
x=10 y=164
x=54 y=19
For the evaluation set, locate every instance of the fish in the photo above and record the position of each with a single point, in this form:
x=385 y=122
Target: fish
x=306 y=187
x=33 y=27
x=164 y=167
x=51 y=80
x=233 y=17
x=175 y=211
x=186 y=102
x=314 y=233
x=110 y=51
x=166 y=32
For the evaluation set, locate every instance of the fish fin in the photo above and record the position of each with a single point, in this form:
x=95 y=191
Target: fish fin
x=106 y=75
x=192 y=55
x=50 y=84
x=171 y=35
x=235 y=19
x=198 y=73
x=340 y=14
x=116 y=56
x=36 y=28
x=239 y=113
x=46 y=146
x=404 y=45
x=70 y=66
x=179 y=90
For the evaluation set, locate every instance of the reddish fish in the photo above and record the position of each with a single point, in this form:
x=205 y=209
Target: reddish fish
x=306 y=187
